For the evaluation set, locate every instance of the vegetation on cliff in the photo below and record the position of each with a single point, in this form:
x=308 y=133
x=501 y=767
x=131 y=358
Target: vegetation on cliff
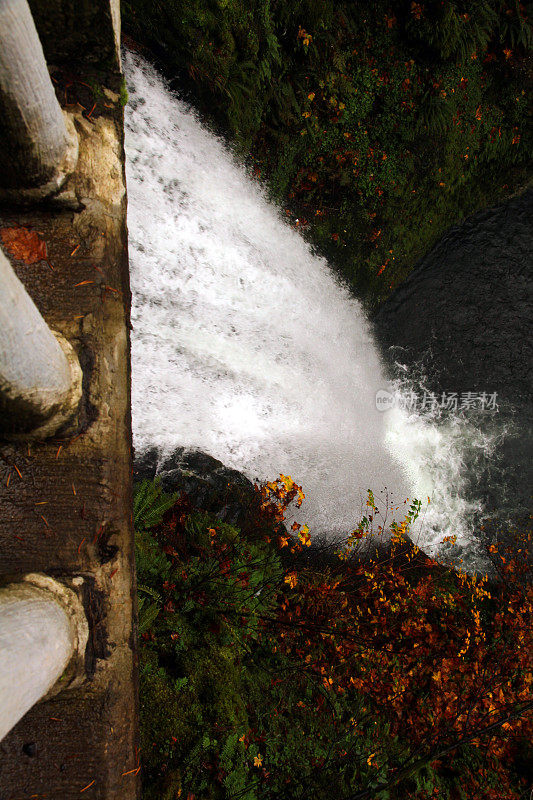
x=269 y=672
x=376 y=126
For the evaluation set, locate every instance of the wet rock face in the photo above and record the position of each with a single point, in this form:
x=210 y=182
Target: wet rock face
x=467 y=307
x=465 y=313
x=206 y=481
x=79 y=34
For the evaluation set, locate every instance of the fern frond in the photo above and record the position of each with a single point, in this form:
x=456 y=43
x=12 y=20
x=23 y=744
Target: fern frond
x=150 y=503
x=148 y=616
x=149 y=591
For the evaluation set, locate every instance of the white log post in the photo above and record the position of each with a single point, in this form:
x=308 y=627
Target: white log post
x=40 y=376
x=42 y=626
x=39 y=145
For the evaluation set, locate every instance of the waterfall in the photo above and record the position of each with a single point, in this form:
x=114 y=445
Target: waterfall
x=247 y=346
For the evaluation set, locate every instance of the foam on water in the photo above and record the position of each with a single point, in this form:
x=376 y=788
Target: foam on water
x=246 y=346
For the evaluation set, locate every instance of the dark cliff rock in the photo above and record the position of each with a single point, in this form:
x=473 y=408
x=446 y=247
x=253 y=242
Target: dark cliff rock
x=209 y=484
x=465 y=314
x=469 y=302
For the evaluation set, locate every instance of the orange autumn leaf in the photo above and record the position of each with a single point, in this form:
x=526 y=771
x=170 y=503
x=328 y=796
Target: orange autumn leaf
x=416 y=10
x=304 y=536
x=24 y=245
x=292 y=579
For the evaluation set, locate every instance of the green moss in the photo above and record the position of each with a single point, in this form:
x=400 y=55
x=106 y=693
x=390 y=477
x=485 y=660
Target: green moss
x=96 y=88
x=123 y=93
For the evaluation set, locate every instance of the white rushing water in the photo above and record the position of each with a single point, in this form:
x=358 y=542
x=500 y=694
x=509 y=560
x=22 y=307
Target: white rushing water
x=246 y=346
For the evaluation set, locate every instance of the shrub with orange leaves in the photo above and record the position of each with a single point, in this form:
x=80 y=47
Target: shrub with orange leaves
x=366 y=677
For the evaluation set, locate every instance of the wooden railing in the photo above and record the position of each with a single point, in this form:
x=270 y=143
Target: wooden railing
x=42 y=623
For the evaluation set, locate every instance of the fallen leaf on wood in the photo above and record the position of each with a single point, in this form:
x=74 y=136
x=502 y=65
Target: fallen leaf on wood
x=23 y=244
